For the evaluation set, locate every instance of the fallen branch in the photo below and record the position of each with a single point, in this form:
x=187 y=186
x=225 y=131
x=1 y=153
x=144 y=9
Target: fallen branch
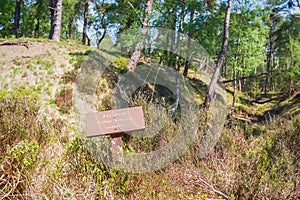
x=264 y=101
x=243 y=118
x=210 y=187
x=15 y=43
x=253 y=76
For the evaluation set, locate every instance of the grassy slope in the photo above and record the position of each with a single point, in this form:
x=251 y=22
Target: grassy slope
x=46 y=159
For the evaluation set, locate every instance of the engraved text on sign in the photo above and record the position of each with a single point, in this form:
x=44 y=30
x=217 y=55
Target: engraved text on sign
x=114 y=121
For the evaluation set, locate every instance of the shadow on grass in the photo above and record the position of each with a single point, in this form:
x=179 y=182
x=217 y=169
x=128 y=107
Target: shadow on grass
x=86 y=53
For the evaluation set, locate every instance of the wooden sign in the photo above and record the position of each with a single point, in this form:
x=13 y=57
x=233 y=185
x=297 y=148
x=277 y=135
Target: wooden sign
x=114 y=121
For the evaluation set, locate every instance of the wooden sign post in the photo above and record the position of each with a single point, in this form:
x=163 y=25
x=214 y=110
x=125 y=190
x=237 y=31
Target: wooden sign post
x=115 y=123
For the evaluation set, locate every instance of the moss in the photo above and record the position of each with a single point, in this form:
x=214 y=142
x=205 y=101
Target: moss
x=121 y=64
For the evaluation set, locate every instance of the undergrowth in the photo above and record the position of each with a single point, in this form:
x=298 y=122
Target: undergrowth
x=22 y=133
x=250 y=160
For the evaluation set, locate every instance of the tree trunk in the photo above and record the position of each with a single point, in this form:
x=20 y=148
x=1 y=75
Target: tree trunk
x=85 y=21
x=17 y=18
x=172 y=57
x=176 y=104
x=101 y=38
x=52 y=4
x=180 y=30
x=56 y=16
x=213 y=83
x=186 y=62
x=234 y=91
x=240 y=80
x=37 y=29
x=138 y=49
x=104 y=26
x=70 y=27
x=269 y=60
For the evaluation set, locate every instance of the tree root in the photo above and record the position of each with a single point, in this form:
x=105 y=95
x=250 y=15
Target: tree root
x=15 y=43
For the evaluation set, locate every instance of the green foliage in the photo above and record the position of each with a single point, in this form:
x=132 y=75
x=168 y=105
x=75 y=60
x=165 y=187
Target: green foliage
x=254 y=130
x=24 y=154
x=6 y=12
x=72 y=10
x=47 y=64
x=78 y=58
x=288 y=41
x=17 y=166
x=208 y=32
x=246 y=50
x=129 y=14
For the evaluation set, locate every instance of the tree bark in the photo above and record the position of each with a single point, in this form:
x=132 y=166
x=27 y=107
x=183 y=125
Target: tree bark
x=104 y=26
x=52 y=4
x=186 y=62
x=176 y=104
x=56 y=16
x=172 y=56
x=57 y=27
x=138 y=49
x=101 y=38
x=70 y=27
x=17 y=18
x=234 y=91
x=85 y=21
x=213 y=83
x=269 y=59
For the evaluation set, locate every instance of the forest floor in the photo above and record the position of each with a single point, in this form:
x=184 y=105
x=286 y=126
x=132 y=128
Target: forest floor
x=257 y=155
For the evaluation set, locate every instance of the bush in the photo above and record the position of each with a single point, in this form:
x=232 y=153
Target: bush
x=18 y=117
x=271 y=163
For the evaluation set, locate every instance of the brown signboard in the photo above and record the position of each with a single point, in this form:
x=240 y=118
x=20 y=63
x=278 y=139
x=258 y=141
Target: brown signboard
x=114 y=121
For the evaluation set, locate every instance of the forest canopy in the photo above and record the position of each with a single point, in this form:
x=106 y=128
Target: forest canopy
x=264 y=35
